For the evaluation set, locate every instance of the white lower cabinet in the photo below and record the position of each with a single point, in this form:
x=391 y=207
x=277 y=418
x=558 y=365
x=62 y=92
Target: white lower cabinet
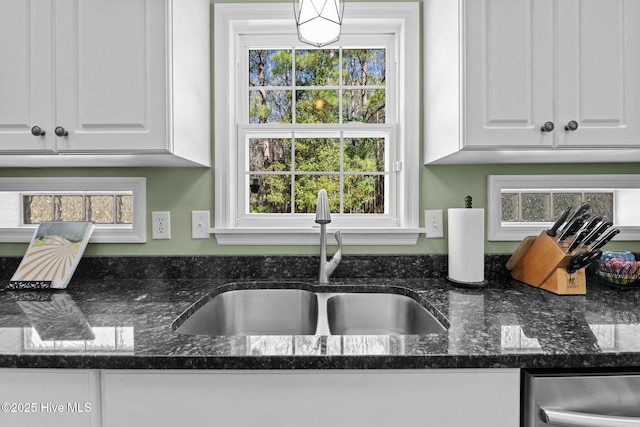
x=334 y=398
x=49 y=398
x=158 y=398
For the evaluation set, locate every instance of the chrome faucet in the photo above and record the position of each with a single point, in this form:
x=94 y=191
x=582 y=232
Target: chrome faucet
x=323 y=217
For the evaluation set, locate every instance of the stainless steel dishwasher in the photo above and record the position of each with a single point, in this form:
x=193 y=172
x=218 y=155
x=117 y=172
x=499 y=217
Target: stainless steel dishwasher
x=581 y=399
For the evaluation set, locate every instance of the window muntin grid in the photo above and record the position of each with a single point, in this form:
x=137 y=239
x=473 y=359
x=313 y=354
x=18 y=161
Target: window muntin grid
x=313 y=86
x=325 y=89
x=355 y=174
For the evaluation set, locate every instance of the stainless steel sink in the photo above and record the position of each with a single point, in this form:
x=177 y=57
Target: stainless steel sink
x=379 y=314
x=300 y=312
x=255 y=312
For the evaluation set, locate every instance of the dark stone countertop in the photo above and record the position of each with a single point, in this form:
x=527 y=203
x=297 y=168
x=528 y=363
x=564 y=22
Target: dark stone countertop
x=126 y=323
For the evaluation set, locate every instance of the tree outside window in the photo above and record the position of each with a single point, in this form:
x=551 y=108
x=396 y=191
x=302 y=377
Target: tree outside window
x=317 y=87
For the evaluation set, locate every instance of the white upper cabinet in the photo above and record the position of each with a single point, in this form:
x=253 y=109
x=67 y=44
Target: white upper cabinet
x=598 y=73
x=508 y=79
x=524 y=81
x=112 y=76
x=26 y=76
x=110 y=83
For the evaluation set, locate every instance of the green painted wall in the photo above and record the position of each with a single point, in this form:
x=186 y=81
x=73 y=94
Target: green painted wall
x=181 y=190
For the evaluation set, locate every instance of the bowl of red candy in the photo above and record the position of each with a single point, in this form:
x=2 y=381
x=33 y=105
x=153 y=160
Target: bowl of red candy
x=617 y=268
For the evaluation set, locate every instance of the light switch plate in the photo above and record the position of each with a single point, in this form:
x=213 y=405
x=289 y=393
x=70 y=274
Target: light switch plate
x=161 y=225
x=200 y=225
x=433 y=223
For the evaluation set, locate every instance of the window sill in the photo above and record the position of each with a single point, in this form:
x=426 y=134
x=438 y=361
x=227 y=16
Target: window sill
x=311 y=236
x=99 y=235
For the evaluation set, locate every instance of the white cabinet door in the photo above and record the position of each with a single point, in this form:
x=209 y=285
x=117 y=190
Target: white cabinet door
x=26 y=90
x=111 y=75
x=453 y=398
x=570 y=63
x=508 y=79
x=49 y=398
x=598 y=69
x=512 y=81
x=122 y=77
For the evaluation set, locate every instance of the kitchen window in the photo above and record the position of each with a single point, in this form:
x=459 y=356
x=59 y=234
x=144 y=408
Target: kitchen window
x=524 y=205
x=117 y=206
x=295 y=120
x=544 y=205
x=339 y=98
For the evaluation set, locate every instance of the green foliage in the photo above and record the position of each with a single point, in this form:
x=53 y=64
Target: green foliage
x=319 y=157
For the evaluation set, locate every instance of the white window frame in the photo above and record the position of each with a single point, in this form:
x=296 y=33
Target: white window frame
x=497 y=231
x=102 y=233
x=231 y=23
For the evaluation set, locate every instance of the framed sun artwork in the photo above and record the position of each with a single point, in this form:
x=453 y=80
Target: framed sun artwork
x=52 y=256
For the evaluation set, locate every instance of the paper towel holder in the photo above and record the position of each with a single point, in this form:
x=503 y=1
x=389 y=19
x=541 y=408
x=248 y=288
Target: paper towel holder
x=470 y=285
x=475 y=216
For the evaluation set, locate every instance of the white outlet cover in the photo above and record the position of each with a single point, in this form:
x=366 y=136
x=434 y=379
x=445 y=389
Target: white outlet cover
x=161 y=225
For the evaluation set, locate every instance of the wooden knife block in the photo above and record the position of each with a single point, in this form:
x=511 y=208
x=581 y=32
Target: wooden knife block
x=544 y=265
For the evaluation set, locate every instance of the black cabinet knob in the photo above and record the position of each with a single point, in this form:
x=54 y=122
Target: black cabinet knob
x=571 y=126
x=547 y=127
x=37 y=131
x=60 y=131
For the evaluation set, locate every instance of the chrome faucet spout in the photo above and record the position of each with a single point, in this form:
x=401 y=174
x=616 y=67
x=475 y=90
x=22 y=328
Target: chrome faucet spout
x=323 y=217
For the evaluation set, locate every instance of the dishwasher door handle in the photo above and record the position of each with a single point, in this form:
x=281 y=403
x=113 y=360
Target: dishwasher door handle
x=560 y=417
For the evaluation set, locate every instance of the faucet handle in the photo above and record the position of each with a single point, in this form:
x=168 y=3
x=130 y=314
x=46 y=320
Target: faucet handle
x=323 y=215
x=338 y=238
x=335 y=259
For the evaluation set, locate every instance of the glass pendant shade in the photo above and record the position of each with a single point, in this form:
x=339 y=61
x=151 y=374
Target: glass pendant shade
x=318 y=21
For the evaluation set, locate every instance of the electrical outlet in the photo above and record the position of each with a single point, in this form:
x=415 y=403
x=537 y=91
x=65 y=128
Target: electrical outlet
x=433 y=223
x=161 y=225
x=200 y=225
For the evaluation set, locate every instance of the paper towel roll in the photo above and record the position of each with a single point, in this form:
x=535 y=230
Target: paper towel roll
x=466 y=246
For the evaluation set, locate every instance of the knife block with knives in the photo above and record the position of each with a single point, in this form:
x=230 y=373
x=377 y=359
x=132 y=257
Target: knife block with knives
x=556 y=264
x=544 y=265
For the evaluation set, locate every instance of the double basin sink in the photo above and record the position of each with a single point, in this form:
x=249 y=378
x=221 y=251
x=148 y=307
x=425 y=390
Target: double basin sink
x=246 y=312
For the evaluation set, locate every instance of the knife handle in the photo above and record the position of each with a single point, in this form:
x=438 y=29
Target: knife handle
x=584 y=207
x=576 y=240
x=605 y=239
x=571 y=229
x=597 y=231
x=583 y=259
x=559 y=222
x=589 y=226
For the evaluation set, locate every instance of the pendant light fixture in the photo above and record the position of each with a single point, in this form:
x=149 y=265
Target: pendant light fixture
x=318 y=21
